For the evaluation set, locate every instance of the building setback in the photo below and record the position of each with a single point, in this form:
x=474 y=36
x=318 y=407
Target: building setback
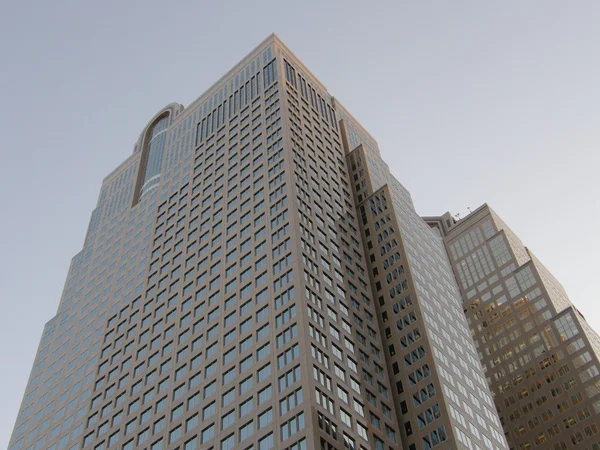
x=540 y=357
x=253 y=277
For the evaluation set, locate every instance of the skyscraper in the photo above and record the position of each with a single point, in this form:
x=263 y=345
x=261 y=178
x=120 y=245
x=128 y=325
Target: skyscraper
x=253 y=277
x=540 y=357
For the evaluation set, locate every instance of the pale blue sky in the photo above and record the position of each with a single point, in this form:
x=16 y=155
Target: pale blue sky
x=470 y=102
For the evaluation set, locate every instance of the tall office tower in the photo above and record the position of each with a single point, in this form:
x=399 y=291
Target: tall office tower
x=254 y=278
x=539 y=354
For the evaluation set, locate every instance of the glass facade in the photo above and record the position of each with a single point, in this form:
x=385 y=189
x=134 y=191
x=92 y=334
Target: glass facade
x=539 y=356
x=156 y=148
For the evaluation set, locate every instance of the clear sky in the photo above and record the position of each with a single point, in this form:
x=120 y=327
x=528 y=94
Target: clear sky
x=470 y=102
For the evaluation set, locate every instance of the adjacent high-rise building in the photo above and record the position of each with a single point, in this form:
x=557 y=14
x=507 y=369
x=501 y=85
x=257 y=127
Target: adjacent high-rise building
x=540 y=357
x=253 y=277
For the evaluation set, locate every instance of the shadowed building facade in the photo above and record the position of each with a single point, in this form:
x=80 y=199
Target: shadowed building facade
x=254 y=278
x=540 y=357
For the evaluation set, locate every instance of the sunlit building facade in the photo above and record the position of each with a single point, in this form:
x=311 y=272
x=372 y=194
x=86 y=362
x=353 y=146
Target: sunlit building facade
x=540 y=357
